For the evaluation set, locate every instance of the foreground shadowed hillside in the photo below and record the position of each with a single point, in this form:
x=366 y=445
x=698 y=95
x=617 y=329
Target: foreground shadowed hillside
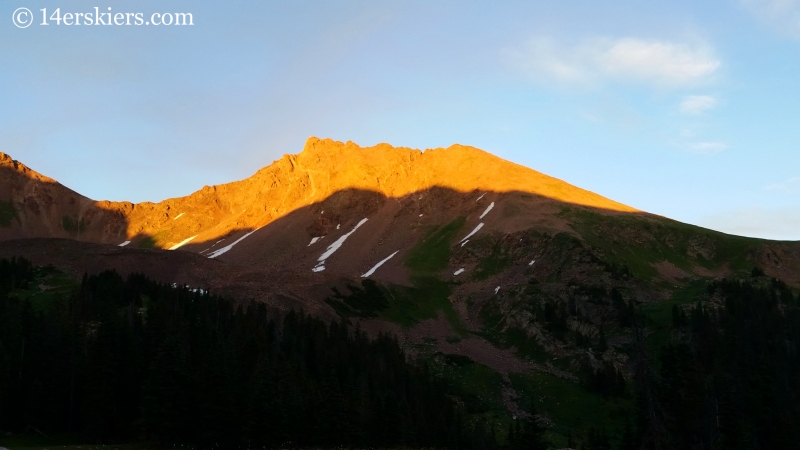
x=119 y=360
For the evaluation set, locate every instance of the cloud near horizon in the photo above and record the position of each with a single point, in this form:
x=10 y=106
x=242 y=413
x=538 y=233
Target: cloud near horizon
x=786 y=186
x=774 y=223
x=707 y=148
x=660 y=63
x=697 y=104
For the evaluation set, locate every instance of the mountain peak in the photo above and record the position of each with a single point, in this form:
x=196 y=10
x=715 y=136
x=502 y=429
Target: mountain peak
x=323 y=170
x=399 y=171
x=9 y=163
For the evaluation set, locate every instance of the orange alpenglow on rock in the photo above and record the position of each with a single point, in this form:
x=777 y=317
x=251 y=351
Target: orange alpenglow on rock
x=398 y=171
x=359 y=176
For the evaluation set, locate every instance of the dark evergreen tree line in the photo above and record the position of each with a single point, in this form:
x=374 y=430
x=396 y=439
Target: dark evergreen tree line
x=730 y=377
x=129 y=359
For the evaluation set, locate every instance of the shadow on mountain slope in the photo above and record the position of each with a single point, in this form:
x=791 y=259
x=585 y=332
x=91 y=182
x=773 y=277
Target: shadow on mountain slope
x=431 y=233
x=365 y=227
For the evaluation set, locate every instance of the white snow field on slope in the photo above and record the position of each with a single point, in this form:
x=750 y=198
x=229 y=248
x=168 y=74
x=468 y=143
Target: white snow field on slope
x=212 y=246
x=488 y=208
x=182 y=243
x=459 y=271
x=375 y=267
x=178 y=216
x=313 y=240
x=124 y=244
x=480 y=197
x=480 y=225
x=218 y=252
x=335 y=246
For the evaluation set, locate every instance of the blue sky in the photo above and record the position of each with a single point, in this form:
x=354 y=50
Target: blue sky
x=685 y=109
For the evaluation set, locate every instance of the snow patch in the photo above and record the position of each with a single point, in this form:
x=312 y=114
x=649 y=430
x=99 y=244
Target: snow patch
x=124 y=244
x=532 y=261
x=420 y=215
x=481 y=196
x=182 y=243
x=335 y=246
x=176 y=217
x=200 y=290
x=375 y=267
x=216 y=253
x=212 y=245
x=496 y=289
x=489 y=208
x=459 y=271
x=480 y=225
x=464 y=243
x=313 y=240
x=338 y=225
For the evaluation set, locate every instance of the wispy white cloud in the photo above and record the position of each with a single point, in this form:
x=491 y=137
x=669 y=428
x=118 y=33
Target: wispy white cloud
x=781 y=15
x=690 y=139
x=706 y=148
x=543 y=58
x=787 y=186
x=697 y=104
x=772 y=223
x=663 y=63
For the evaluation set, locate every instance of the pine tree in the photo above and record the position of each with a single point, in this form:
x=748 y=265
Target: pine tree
x=571 y=440
x=628 y=440
x=530 y=433
x=597 y=440
x=602 y=345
